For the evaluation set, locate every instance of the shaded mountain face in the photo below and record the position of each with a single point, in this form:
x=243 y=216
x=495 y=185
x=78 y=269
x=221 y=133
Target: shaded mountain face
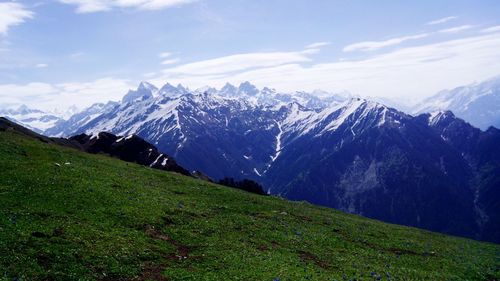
x=375 y=161
x=130 y=149
x=477 y=103
x=348 y=153
x=481 y=151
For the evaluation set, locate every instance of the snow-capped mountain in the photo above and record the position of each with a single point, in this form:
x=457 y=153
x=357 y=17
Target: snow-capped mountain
x=72 y=125
x=34 y=119
x=65 y=114
x=478 y=103
x=143 y=92
x=348 y=153
x=181 y=122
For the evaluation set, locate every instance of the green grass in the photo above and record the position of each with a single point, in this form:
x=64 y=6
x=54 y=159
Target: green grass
x=104 y=219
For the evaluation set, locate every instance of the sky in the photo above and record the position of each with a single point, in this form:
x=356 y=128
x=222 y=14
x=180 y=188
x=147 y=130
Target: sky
x=59 y=53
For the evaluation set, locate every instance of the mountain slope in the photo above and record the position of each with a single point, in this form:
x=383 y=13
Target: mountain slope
x=478 y=103
x=481 y=151
x=72 y=126
x=131 y=149
x=103 y=219
x=371 y=160
x=355 y=155
x=365 y=158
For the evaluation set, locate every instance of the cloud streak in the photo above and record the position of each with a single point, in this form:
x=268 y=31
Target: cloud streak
x=456 y=29
x=92 y=6
x=374 y=45
x=239 y=62
x=170 y=61
x=441 y=20
x=11 y=14
x=317 y=45
x=491 y=29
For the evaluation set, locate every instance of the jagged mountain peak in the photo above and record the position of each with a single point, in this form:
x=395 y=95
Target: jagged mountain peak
x=355 y=116
x=206 y=90
x=182 y=88
x=229 y=90
x=268 y=91
x=144 y=85
x=170 y=90
x=440 y=116
x=247 y=88
x=144 y=91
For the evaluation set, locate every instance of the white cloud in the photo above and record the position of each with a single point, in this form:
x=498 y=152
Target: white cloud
x=11 y=14
x=169 y=61
x=442 y=20
x=15 y=92
x=165 y=55
x=410 y=73
x=374 y=45
x=91 y=6
x=491 y=29
x=239 y=62
x=63 y=95
x=41 y=65
x=317 y=45
x=76 y=55
x=455 y=29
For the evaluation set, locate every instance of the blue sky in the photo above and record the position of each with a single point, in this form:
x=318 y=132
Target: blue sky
x=61 y=52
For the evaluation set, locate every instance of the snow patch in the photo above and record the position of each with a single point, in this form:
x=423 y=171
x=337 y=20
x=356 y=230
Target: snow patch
x=156 y=160
x=277 y=150
x=257 y=172
x=164 y=163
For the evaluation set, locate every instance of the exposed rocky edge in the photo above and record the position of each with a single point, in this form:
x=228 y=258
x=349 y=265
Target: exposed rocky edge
x=201 y=176
x=131 y=149
x=246 y=185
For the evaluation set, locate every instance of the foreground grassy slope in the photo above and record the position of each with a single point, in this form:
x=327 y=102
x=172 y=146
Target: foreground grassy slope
x=103 y=219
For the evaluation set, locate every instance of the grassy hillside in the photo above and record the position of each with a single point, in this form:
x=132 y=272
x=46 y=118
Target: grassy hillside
x=103 y=219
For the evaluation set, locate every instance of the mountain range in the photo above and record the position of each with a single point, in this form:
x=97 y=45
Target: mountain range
x=431 y=170
x=34 y=119
x=478 y=103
